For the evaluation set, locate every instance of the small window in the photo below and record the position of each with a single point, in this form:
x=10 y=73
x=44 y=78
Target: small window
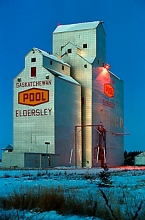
x=85 y=65
x=33 y=71
x=83 y=101
x=62 y=67
x=47 y=76
x=50 y=62
x=33 y=59
x=85 y=46
x=69 y=51
x=19 y=79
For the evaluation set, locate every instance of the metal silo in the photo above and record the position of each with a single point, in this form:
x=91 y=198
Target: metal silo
x=83 y=46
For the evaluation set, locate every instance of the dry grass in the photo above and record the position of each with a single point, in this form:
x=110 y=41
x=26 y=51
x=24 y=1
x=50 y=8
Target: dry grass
x=42 y=199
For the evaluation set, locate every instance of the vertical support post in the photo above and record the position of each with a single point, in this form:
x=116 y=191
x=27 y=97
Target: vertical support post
x=75 y=145
x=101 y=153
x=40 y=160
x=102 y=144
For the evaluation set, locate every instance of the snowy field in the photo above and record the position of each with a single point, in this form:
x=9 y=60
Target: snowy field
x=128 y=184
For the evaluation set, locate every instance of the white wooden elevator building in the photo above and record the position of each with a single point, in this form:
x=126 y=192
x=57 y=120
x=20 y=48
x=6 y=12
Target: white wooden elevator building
x=68 y=108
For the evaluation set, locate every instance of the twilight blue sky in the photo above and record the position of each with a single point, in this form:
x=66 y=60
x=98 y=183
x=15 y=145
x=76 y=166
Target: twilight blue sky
x=30 y=23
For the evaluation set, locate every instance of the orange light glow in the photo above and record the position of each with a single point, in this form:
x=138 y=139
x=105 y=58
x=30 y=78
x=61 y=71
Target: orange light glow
x=106 y=66
x=104 y=71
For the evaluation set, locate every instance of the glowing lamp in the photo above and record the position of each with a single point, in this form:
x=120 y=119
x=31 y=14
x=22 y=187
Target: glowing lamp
x=106 y=66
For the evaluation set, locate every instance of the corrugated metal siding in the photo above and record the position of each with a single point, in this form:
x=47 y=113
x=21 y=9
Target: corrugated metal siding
x=67 y=116
x=35 y=160
x=64 y=111
x=84 y=77
x=12 y=160
x=31 y=132
x=56 y=66
x=140 y=159
x=78 y=38
x=100 y=45
x=82 y=74
x=109 y=111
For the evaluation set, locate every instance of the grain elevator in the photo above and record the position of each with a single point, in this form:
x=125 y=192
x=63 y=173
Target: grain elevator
x=68 y=108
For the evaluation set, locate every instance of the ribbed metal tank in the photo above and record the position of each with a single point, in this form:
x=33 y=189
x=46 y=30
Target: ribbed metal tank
x=108 y=110
x=83 y=46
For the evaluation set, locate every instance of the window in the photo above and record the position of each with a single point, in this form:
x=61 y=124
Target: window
x=69 y=51
x=33 y=71
x=19 y=79
x=85 y=46
x=47 y=76
x=50 y=62
x=33 y=59
x=62 y=67
x=85 y=65
x=82 y=100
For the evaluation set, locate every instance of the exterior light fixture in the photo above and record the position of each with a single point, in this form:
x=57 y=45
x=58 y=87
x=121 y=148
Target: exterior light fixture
x=106 y=66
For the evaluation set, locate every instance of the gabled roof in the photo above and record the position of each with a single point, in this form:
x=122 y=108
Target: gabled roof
x=88 y=59
x=46 y=54
x=9 y=147
x=62 y=76
x=77 y=27
x=72 y=44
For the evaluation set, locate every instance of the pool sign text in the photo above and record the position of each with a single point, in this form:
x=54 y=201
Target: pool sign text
x=34 y=83
x=33 y=97
x=33 y=112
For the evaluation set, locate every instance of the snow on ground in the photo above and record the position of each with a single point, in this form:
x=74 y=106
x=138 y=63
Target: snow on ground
x=128 y=181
